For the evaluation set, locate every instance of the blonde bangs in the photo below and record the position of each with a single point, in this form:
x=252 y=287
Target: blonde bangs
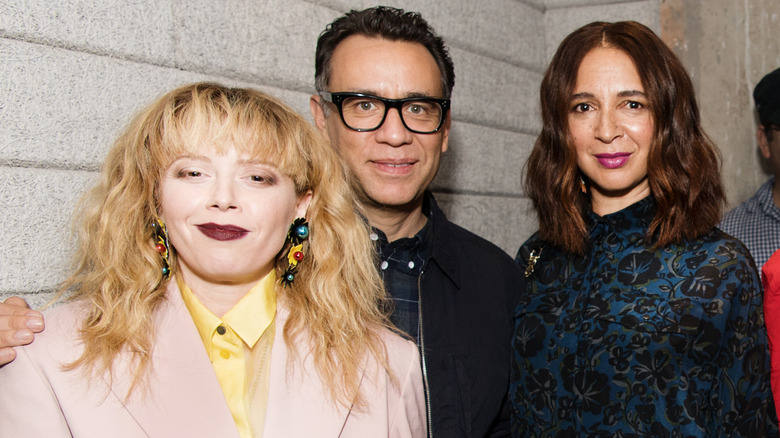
x=254 y=124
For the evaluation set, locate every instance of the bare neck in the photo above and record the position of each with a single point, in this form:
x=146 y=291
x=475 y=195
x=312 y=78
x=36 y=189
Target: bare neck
x=396 y=223
x=603 y=204
x=215 y=296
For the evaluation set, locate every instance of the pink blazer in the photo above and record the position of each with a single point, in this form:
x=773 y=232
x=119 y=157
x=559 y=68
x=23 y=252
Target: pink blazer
x=183 y=397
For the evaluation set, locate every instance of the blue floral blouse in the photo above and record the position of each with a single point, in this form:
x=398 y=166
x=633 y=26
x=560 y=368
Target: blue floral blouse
x=626 y=341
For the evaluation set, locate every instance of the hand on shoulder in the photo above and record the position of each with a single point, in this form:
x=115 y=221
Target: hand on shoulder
x=18 y=325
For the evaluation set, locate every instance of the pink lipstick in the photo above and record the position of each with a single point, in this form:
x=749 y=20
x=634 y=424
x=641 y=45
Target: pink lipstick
x=222 y=232
x=613 y=161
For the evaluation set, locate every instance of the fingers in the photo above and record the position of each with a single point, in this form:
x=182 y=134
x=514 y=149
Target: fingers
x=6 y=355
x=16 y=301
x=15 y=338
x=15 y=314
x=18 y=325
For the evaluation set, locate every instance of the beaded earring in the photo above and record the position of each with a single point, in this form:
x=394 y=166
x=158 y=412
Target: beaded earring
x=583 y=188
x=299 y=232
x=162 y=246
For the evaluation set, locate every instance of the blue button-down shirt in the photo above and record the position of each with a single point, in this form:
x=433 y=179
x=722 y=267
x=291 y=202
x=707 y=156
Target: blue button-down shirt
x=401 y=263
x=756 y=222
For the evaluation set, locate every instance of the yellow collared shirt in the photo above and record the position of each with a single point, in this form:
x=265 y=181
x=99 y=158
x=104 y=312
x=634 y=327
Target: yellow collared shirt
x=239 y=347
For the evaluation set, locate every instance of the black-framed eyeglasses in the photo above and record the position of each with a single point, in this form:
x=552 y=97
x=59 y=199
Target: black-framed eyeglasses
x=364 y=112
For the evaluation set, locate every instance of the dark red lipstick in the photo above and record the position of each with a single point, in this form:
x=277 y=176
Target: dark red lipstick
x=222 y=232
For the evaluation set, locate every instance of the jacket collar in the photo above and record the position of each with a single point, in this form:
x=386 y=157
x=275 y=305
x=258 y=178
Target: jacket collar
x=443 y=248
x=183 y=396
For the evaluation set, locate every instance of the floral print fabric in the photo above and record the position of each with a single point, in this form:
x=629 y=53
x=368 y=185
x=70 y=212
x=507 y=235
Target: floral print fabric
x=627 y=341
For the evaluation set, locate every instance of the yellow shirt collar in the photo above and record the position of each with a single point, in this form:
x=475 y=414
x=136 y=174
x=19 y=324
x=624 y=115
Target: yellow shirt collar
x=249 y=317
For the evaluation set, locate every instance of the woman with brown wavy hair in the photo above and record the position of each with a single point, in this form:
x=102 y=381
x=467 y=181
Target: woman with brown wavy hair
x=638 y=317
x=221 y=219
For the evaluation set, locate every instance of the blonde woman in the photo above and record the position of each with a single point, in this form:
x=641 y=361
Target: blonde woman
x=222 y=220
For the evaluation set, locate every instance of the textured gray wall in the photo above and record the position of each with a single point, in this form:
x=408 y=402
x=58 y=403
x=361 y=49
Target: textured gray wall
x=73 y=72
x=727 y=47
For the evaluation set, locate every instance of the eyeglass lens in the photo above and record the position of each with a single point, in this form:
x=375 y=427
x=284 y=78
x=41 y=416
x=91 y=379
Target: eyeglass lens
x=367 y=113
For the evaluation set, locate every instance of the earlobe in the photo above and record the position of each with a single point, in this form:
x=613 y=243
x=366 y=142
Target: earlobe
x=763 y=143
x=445 y=133
x=303 y=203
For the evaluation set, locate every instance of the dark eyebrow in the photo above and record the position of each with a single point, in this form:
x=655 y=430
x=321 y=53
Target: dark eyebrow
x=406 y=96
x=581 y=96
x=625 y=93
x=632 y=93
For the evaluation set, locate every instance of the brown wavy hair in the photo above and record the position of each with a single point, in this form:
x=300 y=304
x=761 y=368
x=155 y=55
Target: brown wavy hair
x=336 y=302
x=683 y=163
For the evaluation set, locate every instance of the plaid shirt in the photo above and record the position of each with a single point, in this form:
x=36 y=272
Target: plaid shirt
x=401 y=264
x=756 y=222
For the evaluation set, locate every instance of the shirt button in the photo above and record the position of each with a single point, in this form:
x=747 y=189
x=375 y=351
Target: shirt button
x=373 y=236
x=383 y=266
x=411 y=265
x=225 y=354
x=645 y=317
x=221 y=330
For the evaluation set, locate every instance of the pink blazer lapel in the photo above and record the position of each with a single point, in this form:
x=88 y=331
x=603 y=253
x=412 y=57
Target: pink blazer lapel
x=183 y=397
x=296 y=403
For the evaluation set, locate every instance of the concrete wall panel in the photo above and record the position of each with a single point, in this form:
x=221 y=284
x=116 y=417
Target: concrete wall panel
x=138 y=29
x=34 y=226
x=561 y=22
x=559 y=4
x=505 y=30
x=484 y=160
x=270 y=42
x=63 y=108
x=727 y=47
x=494 y=93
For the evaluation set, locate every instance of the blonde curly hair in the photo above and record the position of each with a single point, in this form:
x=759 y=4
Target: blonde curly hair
x=337 y=302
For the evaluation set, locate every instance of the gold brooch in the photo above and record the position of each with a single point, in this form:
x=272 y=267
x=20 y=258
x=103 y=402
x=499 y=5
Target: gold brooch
x=532 y=258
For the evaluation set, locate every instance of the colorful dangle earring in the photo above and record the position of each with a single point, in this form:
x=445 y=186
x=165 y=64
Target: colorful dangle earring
x=583 y=188
x=299 y=232
x=162 y=246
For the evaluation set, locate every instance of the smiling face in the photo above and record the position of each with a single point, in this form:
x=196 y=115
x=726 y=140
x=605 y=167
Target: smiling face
x=612 y=129
x=393 y=165
x=227 y=216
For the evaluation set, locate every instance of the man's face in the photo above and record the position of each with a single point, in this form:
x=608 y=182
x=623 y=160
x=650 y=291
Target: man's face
x=770 y=149
x=393 y=165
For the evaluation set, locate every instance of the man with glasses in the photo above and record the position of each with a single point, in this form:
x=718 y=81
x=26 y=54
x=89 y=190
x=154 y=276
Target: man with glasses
x=756 y=222
x=384 y=81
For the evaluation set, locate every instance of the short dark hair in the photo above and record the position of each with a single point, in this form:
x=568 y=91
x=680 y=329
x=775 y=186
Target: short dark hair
x=383 y=22
x=767 y=98
x=683 y=164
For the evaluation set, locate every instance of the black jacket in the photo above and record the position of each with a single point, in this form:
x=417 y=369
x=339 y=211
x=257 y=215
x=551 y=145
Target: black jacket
x=467 y=291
